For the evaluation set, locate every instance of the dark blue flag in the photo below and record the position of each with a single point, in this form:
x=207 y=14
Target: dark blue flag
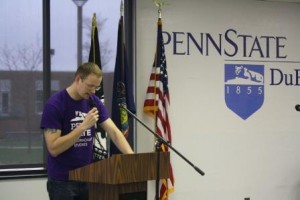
x=122 y=91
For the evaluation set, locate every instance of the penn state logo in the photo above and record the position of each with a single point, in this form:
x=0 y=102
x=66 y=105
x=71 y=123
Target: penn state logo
x=244 y=88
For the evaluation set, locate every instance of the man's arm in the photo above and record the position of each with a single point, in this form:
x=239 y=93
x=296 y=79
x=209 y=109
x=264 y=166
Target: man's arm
x=57 y=144
x=116 y=136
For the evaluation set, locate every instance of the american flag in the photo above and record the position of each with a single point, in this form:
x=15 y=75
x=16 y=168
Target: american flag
x=157 y=104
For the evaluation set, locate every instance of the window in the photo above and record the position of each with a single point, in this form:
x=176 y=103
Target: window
x=4 y=97
x=22 y=44
x=21 y=141
x=4 y=105
x=39 y=104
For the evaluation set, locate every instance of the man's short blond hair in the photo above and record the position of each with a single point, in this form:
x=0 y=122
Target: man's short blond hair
x=87 y=69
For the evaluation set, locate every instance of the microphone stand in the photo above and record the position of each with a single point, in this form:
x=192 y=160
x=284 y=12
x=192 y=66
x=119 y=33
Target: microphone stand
x=159 y=142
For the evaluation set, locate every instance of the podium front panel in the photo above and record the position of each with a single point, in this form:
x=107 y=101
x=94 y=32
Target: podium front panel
x=118 y=192
x=133 y=196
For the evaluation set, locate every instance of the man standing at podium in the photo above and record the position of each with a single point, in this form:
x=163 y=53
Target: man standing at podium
x=69 y=119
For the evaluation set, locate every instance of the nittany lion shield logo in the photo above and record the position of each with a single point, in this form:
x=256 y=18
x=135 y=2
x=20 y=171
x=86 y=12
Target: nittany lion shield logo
x=244 y=88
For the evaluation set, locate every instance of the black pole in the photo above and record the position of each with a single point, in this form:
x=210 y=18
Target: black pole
x=159 y=138
x=157 y=147
x=46 y=59
x=79 y=35
x=46 y=50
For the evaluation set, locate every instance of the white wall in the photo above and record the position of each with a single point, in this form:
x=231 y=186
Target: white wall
x=23 y=189
x=257 y=157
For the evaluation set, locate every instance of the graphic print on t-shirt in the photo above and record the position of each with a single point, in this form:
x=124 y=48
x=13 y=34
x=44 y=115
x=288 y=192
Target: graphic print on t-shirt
x=86 y=136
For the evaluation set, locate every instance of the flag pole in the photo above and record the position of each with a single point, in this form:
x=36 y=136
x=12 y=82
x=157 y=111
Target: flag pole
x=157 y=107
x=94 y=25
x=158 y=141
x=159 y=144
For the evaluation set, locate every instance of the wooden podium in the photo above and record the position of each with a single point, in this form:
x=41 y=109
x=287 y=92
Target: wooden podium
x=123 y=176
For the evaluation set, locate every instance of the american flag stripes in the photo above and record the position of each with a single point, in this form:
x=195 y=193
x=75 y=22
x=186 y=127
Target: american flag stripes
x=157 y=104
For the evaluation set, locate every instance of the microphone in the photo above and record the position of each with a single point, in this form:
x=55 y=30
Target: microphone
x=91 y=103
x=297 y=107
x=98 y=128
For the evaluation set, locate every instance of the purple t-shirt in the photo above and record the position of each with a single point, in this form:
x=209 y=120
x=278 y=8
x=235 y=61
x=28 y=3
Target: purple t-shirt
x=63 y=113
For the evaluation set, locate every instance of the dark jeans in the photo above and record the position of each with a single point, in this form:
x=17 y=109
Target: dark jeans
x=67 y=190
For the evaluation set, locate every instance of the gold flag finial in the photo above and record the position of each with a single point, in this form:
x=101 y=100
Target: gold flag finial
x=159 y=4
x=94 y=22
x=122 y=8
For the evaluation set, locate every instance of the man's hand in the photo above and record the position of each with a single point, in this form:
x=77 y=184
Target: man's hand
x=91 y=118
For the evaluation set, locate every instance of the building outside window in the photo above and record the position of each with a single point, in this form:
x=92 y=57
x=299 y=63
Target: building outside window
x=39 y=104
x=4 y=97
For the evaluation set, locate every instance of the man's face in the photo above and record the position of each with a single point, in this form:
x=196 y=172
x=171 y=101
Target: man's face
x=88 y=85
